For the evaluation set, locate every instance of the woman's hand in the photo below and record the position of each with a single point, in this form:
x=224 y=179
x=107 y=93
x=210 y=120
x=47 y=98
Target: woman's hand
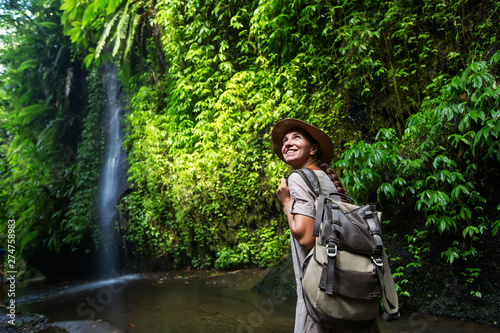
x=283 y=192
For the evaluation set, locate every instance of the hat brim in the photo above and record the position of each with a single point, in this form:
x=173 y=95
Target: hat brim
x=283 y=126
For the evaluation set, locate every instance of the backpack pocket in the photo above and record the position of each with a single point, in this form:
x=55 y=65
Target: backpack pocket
x=354 y=277
x=338 y=309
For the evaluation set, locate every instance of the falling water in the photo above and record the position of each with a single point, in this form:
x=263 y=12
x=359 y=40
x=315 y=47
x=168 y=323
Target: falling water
x=111 y=183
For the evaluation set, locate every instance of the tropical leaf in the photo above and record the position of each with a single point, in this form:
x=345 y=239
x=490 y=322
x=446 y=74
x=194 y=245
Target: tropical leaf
x=50 y=25
x=131 y=33
x=112 y=6
x=32 y=112
x=107 y=30
x=121 y=30
x=32 y=63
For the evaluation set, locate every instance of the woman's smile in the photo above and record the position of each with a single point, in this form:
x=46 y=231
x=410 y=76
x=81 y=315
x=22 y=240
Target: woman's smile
x=290 y=150
x=296 y=149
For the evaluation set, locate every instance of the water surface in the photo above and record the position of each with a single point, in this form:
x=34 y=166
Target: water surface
x=174 y=302
x=192 y=301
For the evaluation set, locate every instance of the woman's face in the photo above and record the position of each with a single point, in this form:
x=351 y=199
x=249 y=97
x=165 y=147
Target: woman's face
x=298 y=151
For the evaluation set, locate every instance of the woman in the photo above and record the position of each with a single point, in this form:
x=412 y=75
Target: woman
x=301 y=145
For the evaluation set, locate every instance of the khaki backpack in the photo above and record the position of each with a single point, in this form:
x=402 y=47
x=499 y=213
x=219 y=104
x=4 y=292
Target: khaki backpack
x=346 y=275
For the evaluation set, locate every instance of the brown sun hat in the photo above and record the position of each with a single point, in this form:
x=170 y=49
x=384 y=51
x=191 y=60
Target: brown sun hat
x=283 y=126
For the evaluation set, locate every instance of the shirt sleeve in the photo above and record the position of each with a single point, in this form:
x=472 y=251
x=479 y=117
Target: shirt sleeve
x=302 y=197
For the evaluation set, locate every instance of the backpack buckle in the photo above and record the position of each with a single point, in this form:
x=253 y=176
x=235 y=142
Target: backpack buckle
x=331 y=251
x=378 y=262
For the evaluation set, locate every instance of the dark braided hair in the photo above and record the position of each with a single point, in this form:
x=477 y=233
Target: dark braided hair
x=326 y=168
x=331 y=173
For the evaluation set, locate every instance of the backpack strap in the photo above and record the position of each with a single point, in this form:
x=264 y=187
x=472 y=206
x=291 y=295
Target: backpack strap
x=390 y=299
x=331 y=241
x=310 y=178
x=379 y=257
x=342 y=195
x=312 y=182
x=373 y=224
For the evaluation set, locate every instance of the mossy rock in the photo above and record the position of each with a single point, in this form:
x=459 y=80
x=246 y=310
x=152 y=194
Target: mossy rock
x=279 y=282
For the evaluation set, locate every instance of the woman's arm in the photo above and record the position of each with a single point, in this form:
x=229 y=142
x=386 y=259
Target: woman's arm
x=301 y=226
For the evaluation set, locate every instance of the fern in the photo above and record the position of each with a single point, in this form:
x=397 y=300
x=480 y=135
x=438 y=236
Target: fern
x=107 y=30
x=121 y=28
x=32 y=63
x=131 y=33
x=32 y=113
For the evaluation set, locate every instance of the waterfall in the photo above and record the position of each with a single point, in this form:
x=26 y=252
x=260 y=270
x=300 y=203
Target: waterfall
x=112 y=180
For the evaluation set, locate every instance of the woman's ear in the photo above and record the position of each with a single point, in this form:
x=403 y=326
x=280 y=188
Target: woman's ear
x=314 y=149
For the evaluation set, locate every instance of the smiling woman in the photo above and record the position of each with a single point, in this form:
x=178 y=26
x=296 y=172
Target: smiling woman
x=302 y=145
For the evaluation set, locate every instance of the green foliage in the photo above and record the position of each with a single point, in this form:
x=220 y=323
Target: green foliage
x=104 y=24
x=440 y=165
x=36 y=68
x=207 y=80
x=79 y=219
x=399 y=277
x=48 y=172
x=202 y=175
x=264 y=247
x=471 y=274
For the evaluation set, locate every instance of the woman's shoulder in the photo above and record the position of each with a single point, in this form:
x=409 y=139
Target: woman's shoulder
x=295 y=178
x=325 y=181
x=326 y=184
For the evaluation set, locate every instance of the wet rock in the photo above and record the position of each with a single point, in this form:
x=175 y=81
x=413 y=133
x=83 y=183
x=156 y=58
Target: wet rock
x=279 y=282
